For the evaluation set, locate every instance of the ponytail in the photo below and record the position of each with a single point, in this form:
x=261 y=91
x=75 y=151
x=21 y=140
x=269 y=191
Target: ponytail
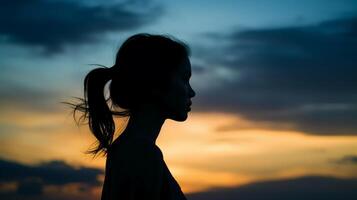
x=100 y=119
x=96 y=110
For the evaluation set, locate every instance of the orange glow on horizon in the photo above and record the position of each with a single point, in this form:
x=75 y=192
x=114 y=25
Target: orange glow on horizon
x=198 y=152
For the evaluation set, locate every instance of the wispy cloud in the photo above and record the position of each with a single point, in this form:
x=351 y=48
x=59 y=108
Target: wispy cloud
x=23 y=97
x=348 y=159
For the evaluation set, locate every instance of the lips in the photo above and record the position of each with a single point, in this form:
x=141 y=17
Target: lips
x=189 y=106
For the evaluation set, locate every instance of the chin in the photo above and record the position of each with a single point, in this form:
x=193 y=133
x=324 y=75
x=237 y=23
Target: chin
x=180 y=117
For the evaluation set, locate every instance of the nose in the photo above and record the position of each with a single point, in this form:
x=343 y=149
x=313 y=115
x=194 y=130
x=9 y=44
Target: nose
x=192 y=92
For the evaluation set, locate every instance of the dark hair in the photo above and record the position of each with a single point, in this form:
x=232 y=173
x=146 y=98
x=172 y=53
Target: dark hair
x=143 y=62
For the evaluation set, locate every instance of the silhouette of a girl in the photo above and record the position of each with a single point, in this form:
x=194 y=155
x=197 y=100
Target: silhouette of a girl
x=149 y=83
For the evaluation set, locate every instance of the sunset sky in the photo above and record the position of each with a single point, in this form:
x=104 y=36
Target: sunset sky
x=275 y=112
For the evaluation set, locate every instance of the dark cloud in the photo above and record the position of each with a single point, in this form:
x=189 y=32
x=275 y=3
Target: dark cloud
x=30 y=187
x=55 y=24
x=307 y=188
x=301 y=76
x=32 y=179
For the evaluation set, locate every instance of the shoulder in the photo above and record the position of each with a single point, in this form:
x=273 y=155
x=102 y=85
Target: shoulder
x=136 y=171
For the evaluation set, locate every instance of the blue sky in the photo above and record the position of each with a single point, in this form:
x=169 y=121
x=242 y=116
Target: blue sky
x=186 y=20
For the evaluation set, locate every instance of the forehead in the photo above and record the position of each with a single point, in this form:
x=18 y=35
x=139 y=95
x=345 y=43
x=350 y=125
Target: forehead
x=185 y=66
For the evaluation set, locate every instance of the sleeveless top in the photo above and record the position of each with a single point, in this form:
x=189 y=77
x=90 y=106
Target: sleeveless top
x=124 y=160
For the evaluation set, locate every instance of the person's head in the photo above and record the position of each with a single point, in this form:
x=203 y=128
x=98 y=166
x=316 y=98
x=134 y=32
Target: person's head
x=149 y=71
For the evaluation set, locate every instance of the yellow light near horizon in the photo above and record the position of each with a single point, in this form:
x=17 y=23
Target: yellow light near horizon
x=199 y=153
x=195 y=180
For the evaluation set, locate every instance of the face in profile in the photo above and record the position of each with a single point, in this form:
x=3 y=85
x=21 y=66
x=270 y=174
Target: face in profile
x=177 y=101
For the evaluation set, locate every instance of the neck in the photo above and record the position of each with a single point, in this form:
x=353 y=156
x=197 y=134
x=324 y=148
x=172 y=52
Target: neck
x=144 y=124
